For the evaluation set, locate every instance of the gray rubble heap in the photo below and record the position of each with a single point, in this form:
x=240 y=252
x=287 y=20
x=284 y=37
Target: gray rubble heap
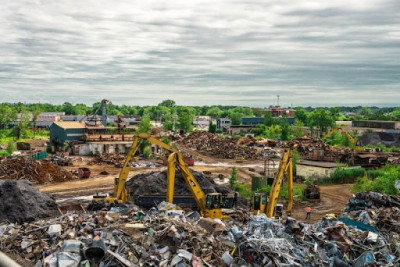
x=21 y=202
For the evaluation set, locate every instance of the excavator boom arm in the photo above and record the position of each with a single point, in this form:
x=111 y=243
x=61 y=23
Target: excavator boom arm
x=285 y=165
x=351 y=139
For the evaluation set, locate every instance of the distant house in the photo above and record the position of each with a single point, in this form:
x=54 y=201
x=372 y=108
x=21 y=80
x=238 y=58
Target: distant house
x=46 y=119
x=239 y=129
x=201 y=122
x=223 y=123
x=279 y=111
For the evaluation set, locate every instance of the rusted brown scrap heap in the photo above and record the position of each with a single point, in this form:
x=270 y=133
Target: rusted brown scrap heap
x=33 y=170
x=216 y=146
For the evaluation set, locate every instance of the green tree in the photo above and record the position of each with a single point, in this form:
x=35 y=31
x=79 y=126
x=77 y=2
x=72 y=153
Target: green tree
x=144 y=125
x=214 y=112
x=7 y=114
x=335 y=113
x=258 y=112
x=10 y=147
x=273 y=132
x=147 y=152
x=285 y=126
x=165 y=139
x=298 y=129
x=186 y=119
x=21 y=123
x=365 y=112
x=269 y=120
x=168 y=125
x=236 y=118
x=322 y=119
x=36 y=110
x=233 y=179
x=167 y=103
x=301 y=115
x=212 y=128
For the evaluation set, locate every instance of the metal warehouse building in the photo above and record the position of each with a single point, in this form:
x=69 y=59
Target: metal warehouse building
x=393 y=125
x=62 y=131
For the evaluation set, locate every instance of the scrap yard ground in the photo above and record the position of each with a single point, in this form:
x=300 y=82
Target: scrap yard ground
x=333 y=197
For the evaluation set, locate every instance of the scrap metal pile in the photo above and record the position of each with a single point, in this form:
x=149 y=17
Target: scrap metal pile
x=315 y=149
x=212 y=145
x=33 y=170
x=108 y=158
x=166 y=236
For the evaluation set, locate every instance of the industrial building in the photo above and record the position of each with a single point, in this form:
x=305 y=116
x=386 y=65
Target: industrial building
x=279 y=111
x=223 y=123
x=314 y=170
x=85 y=140
x=260 y=120
x=392 y=125
x=66 y=131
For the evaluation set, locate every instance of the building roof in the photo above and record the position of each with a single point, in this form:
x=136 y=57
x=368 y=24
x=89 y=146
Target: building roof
x=71 y=124
x=366 y=156
x=322 y=164
x=378 y=121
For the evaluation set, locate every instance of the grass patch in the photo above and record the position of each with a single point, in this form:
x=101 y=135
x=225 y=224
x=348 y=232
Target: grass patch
x=343 y=175
x=382 y=181
x=298 y=192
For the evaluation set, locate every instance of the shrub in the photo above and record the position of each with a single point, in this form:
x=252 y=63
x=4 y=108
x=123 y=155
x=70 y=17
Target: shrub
x=11 y=147
x=243 y=190
x=382 y=181
x=308 y=182
x=147 y=152
x=4 y=153
x=343 y=176
x=233 y=179
x=372 y=174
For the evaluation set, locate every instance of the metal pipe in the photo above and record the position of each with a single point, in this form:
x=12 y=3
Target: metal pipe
x=7 y=261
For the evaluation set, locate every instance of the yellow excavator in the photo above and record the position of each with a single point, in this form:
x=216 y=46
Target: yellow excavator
x=210 y=204
x=261 y=204
x=348 y=136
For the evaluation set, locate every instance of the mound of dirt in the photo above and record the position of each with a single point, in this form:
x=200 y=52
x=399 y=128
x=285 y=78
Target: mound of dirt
x=33 y=170
x=387 y=139
x=212 y=145
x=20 y=202
x=156 y=183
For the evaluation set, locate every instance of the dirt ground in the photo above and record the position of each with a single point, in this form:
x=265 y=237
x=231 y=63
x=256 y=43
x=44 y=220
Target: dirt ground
x=104 y=183
x=333 y=200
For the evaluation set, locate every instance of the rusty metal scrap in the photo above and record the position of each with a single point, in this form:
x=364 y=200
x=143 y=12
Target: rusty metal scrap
x=107 y=158
x=213 y=145
x=33 y=170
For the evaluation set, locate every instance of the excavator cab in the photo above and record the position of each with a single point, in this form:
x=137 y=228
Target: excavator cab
x=214 y=203
x=278 y=211
x=258 y=203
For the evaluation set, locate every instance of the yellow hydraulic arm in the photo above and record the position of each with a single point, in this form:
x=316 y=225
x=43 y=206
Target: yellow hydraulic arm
x=348 y=136
x=286 y=165
x=120 y=193
x=351 y=139
x=175 y=160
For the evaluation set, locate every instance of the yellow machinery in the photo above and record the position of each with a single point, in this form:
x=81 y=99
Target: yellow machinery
x=348 y=136
x=210 y=204
x=261 y=204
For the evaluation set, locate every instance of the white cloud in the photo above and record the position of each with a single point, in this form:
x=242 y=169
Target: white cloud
x=201 y=52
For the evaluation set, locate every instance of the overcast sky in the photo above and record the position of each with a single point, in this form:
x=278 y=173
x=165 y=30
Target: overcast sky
x=341 y=52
